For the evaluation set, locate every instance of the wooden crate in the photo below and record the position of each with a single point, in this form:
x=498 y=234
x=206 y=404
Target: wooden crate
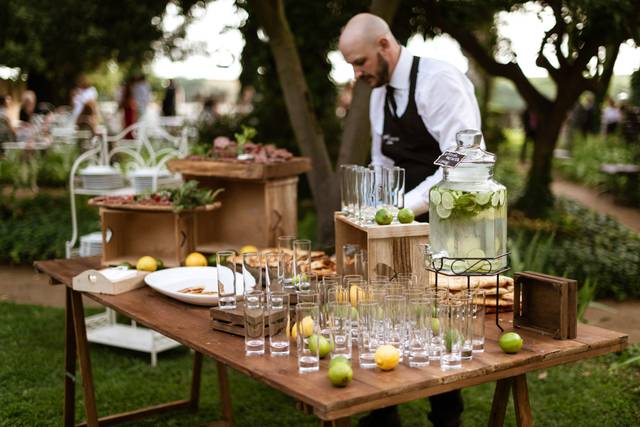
x=546 y=304
x=259 y=204
x=232 y=321
x=395 y=245
x=128 y=235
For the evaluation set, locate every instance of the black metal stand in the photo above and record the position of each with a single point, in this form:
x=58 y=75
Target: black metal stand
x=471 y=267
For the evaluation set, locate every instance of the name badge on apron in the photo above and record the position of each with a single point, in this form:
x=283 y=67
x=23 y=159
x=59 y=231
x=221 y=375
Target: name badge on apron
x=389 y=139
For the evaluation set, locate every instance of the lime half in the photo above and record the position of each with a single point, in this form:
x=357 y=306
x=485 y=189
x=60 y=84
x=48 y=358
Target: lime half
x=443 y=212
x=447 y=201
x=495 y=199
x=503 y=196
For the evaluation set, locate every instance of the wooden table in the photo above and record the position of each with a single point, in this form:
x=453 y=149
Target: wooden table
x=370 y=389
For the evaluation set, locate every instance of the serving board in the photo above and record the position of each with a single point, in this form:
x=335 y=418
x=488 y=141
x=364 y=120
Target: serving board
x=150 y=208
x=239 y=169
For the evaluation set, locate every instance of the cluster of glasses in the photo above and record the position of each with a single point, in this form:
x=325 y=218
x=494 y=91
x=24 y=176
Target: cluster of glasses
x=425 y=325
x=364 y=190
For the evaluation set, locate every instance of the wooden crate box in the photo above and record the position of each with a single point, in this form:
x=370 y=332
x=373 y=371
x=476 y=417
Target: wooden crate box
x=128 y=235
x=259 y=202
x=397 y=245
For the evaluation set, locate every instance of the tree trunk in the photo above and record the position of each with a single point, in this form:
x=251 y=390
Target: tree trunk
x=309 y=136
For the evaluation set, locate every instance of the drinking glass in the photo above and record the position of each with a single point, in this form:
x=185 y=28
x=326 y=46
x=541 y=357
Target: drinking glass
x=381 y=185
x=278 y=312
x=418 y=331
x=253 y=322
x=395 y=321
x=396 y=190
x=340 y=328
x=347 y=188
x=285 y=247
x=466 y=299
x=251 y=271
x=411 y=278
x=441 y=296
x=368 y=190
x=361 y=263
x=478 y=311
x=306 y=282
x=349 y=252
x=273 y=267
x=301 y=260
x=308 y=296
x=451 y=313
x=226 y=271
x=307 y=324
x=370 y=316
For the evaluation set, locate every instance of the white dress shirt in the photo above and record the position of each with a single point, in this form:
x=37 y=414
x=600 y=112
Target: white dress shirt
x=446 y=102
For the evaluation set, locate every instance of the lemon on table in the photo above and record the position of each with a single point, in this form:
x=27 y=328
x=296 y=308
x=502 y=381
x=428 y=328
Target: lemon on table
x=356 y=293
x=387 y=357
x=307 y=328
x=248 y=249
x=196 y=259
x=147 y=263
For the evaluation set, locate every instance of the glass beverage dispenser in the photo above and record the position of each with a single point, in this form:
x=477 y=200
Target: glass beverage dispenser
x=468 y=212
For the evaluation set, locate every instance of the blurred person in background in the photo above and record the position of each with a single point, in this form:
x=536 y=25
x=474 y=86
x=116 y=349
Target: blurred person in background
x=7 y=132
x=27 y=106
x=169 y=101
x=611 y=117
x=84 y=98
x=209 y=114
x=128 y=107
x=142 y=94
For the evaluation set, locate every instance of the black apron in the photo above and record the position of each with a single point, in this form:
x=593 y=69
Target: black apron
x=406 y=140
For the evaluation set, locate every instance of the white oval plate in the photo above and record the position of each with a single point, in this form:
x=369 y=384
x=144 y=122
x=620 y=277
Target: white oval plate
x=169 y=281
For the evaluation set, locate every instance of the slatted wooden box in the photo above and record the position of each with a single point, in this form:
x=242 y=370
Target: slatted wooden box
x=546 y=304
x=260 y=201
x=394 y=248
x=232 y=321
x=130 y=232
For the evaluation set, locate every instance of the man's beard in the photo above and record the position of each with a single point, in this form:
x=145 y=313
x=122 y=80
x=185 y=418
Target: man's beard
x=381 y=77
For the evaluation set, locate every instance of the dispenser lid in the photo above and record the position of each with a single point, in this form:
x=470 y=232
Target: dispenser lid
x=469 y=143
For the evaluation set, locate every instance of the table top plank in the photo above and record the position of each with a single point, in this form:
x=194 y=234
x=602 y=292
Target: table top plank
x=370 y=389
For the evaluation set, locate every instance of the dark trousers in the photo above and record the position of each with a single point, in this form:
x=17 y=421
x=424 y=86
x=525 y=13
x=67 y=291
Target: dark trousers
x=446 y=409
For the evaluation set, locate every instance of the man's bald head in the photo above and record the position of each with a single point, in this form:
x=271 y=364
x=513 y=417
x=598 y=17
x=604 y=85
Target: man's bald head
x=368 y=45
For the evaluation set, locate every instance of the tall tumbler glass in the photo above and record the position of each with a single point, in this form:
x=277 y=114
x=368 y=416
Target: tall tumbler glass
x=253 y=322
x=226 y=272
x=466 y=299
x=307 y=324
x=381 y=185
x=273 y=267
x=349 y=252
x=301 y=261
x=368 y=189
x=361 y=263
x=442 y=295
x=285 y=247
x=419 y=331
x=369 y=315
x=479 y=307
x=340 y=329
x=346 y=188
x=451 y=324
x=395 y=316
x=278 y=312
x=396 y=190
x=251 y=271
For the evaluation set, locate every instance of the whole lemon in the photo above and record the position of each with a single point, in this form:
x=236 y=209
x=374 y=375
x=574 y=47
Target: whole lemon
x=387 y=357
x=355 y=294
x=196 y=259
x=307 y=328
x=147 y=263
x=248 y=249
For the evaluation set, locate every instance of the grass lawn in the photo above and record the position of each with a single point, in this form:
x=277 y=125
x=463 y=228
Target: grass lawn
x=31 y=385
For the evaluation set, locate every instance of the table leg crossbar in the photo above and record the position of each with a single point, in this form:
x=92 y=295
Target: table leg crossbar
x=76 y=346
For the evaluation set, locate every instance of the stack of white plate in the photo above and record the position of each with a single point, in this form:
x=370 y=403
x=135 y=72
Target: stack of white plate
x=91 y=244
x=142 y=179
x=98 y=177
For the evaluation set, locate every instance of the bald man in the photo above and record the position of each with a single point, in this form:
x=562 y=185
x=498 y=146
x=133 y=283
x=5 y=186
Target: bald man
x=417 y=106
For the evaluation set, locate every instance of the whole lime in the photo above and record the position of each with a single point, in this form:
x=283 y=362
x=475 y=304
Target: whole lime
x=320 y=344
x=510 y=342
x=340 y=374
x=212 y=260
x=339 y=359
x=383 y=217
x=406 y=216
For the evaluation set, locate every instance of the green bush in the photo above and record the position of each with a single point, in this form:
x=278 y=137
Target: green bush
x=37 y=228
x=51 y=167
x=587 y=246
